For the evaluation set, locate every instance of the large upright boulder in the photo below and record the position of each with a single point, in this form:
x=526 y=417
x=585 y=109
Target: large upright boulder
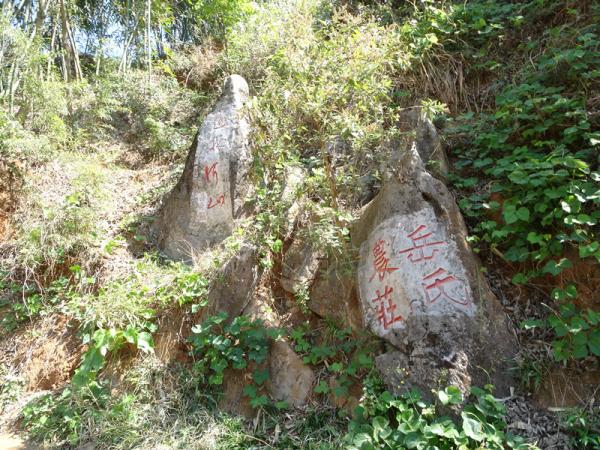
x=422 y=289
x=200 y=211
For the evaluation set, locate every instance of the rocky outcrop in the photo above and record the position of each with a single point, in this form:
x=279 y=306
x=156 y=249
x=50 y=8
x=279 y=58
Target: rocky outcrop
x=291 y=380
x=299 y=266
x=414 y=282
x=422 y=289
x=238 y=289
x=235 y=283
x=333 y=294
x=201 y=210
x=426 y=139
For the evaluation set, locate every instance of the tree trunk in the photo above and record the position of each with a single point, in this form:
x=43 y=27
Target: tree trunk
x=70 y=53
x=148 y=34
x=64 y=40
x=52 y=45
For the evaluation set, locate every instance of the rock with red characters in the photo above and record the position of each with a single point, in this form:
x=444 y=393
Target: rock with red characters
x=422 y=289
x=202 y=209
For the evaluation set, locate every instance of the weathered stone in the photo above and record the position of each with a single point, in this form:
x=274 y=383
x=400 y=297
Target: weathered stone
x=333 y=295
x=233 y=288
x=233 y=399
x=422 y=289
x=200 y=211
x=426 y=140
x=299 y=266
x=291 y=379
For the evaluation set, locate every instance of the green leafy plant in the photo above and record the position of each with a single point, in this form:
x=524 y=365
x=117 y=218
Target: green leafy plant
x=53 y=416
x=242 y=344
x=530 y=181
x=584 y=424
x=103 y=341
x=345 y=356
x=385 y=422
x=577 y=332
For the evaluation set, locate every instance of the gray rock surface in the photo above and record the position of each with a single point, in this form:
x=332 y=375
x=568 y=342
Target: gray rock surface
x=299 y=266
x=333 y=294
x=422 y=289
x=202 y=207
x=426 y=139
x=291 y=380
x=234 y=286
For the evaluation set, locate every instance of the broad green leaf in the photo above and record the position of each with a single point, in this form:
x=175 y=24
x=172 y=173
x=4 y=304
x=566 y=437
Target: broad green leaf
x=260 y=376
x=523 y=214
x=145 y=342
x=322 y=388
x=594 y=342
x=472 y=427
x=554 y=267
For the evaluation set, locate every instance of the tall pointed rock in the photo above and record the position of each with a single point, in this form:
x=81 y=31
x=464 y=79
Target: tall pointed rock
x=202 y=208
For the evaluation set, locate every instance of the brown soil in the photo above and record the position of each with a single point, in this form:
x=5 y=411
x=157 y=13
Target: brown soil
x=8 y=202
x=170 y=341
x=585 y=273
x=12 y=442
x=45 y=353
x=563 y=388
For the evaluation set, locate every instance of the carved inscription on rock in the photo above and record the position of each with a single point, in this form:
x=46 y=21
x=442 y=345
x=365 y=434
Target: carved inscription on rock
x=210 y=197
x=410 y=266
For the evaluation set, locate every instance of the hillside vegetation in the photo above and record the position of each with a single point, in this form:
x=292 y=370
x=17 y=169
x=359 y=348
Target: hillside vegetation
x=100 y=337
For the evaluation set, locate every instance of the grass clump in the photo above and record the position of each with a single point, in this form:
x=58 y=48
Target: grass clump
x=57 y=227
x=148 y=285
x=154 y=406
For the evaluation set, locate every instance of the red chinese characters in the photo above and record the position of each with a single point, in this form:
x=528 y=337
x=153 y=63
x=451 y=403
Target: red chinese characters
x=210 y=174
x=420 y=250
x=386 y=308
x=436 y=283
x=381 y=261
x=219 y=201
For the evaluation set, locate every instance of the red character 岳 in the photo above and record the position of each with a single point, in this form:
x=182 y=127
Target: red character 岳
x=420 y=243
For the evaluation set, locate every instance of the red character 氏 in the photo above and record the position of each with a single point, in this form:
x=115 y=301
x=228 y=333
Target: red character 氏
x=434 y=285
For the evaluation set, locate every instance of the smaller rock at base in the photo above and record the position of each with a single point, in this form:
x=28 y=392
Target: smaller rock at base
x=401 y=374
x=333 y=295
x=291 y=380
